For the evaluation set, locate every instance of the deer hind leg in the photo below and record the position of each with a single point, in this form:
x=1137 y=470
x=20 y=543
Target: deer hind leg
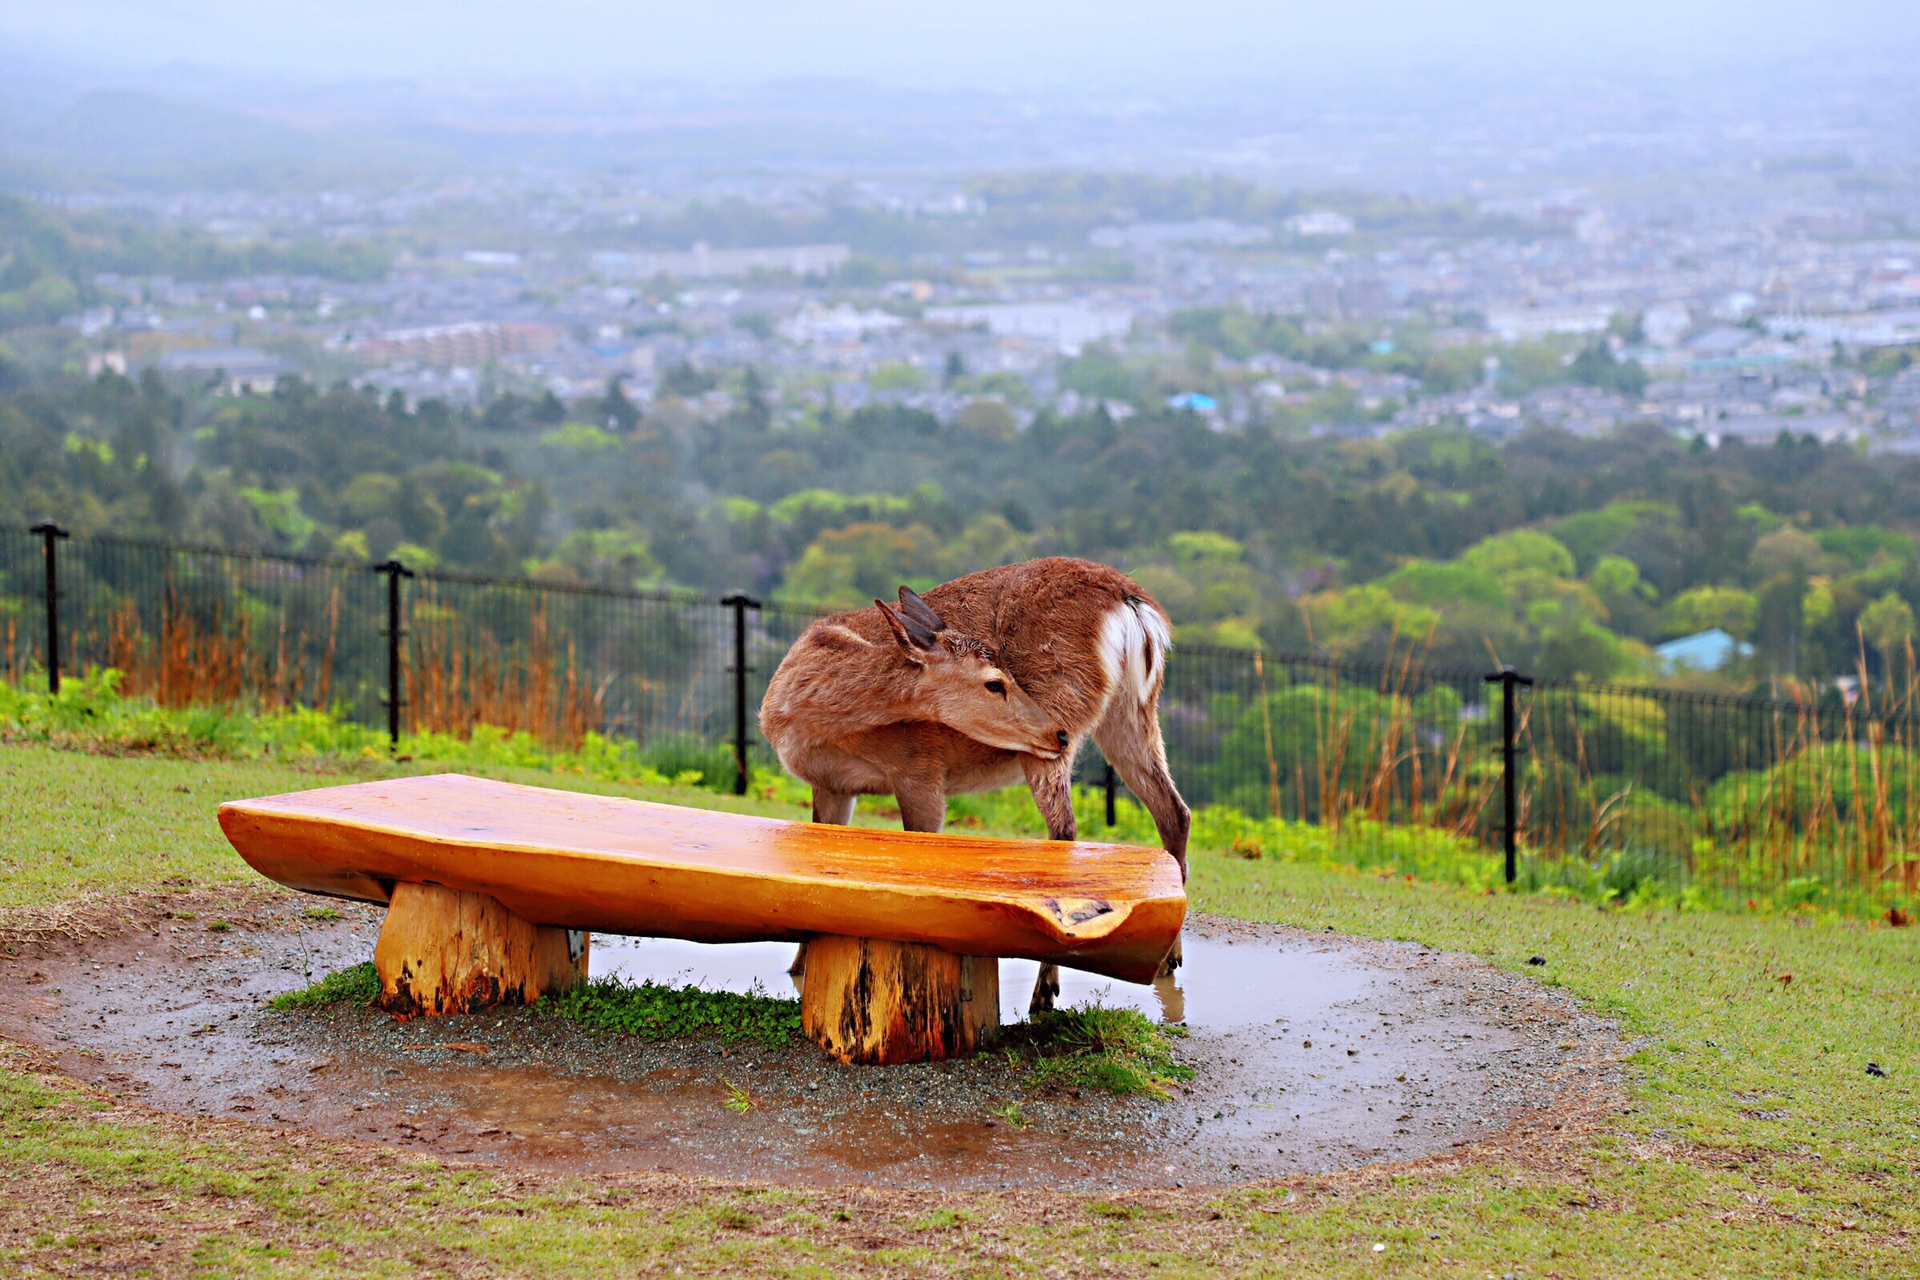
x=836 y=809
x=1046 y=989
x=1129 y=737
x=1051 y=782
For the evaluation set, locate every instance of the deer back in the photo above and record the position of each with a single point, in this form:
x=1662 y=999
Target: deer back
x=1072 y=632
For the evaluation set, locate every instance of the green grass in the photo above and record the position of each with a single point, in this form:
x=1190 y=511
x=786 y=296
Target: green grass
x=1755 y=1144
x=358 y=984
x=1120 y=1051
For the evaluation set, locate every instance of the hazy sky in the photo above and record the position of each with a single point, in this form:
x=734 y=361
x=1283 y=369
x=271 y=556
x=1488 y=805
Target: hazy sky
x=930 y=42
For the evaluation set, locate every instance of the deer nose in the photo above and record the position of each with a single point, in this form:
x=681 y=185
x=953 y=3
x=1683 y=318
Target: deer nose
x=1061 y=737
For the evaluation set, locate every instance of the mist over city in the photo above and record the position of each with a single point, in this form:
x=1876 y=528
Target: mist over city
x=1307 y=319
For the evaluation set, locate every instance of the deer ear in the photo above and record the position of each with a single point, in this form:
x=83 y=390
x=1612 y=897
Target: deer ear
x=917 y=610
x=914 y=650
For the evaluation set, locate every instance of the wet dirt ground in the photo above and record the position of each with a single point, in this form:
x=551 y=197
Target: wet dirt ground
x=1313 y=1053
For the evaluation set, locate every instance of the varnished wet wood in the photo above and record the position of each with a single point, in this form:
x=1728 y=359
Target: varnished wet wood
x=626 y=866
x=448 y=951
x=876 y=1002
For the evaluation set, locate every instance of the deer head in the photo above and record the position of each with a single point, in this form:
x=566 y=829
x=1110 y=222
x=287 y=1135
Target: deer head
x=960 y=684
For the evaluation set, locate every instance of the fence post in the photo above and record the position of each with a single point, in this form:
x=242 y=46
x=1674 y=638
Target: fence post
x=1508 y=679
x=740 y=602
x=394 y=571
x=1112 y=816
x=51 y=533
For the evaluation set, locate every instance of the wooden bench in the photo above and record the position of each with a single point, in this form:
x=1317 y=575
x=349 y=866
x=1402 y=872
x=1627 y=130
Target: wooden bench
x=492 y=888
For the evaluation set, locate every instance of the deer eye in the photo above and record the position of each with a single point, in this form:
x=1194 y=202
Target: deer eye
x=997 y=686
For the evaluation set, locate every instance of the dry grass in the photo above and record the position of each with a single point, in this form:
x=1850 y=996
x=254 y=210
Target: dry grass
x=211 y=656
x=462 y=676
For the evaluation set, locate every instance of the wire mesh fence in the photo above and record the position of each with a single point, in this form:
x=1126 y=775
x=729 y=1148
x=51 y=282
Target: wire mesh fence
x=23 y=624
x=1611 y=781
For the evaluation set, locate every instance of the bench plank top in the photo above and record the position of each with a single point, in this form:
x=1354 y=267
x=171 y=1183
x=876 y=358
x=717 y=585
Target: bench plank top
x=614 y=865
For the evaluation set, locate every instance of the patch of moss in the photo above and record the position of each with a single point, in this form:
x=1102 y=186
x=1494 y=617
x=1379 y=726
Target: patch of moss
x=655 y=1011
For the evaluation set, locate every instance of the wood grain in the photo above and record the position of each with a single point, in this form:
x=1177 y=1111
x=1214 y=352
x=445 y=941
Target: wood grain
x=881 y=1003
x=448 y=951
x=627 y=866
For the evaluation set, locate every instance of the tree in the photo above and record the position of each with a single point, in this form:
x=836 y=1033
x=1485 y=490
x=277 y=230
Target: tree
x=686 y=381
x=987 y=417
x=1888 y=625
x=616 y=410
x=853 y=566
x=1731 y=609
x=756 y=411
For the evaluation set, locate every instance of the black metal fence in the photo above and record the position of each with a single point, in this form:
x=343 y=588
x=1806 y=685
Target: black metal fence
x=1803 y=795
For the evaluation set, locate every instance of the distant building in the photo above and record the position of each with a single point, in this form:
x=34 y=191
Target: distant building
x=702 y=262
x=1868 y=329
x=242 y=370
x=1068 y=326
x=1195 y=402
x=1666 y=323
x=1765 y=428
x=1708 y=650
x=469 y=344
x=1320 y=222
x=838 y=324
x=1155 y=235
x=1530 y=324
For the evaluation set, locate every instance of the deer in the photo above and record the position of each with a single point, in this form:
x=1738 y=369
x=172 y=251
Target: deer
x=992 y=679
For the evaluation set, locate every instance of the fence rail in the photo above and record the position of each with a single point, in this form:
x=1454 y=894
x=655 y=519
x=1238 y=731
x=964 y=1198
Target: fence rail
x=1568 y=777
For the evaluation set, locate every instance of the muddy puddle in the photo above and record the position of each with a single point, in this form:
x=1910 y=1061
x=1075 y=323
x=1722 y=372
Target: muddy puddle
x=1313 y=1052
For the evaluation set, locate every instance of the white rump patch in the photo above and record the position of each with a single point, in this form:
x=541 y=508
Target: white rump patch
x=1133 y=648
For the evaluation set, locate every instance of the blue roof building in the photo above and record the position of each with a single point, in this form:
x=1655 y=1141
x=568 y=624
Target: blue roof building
x=1708 y=650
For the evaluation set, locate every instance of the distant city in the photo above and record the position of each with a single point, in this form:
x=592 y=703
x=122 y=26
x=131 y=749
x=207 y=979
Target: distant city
x=1748 y=320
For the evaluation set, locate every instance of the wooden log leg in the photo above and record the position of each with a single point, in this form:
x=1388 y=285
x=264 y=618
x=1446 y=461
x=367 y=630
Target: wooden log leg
x=876 y=1002
x=447 y=951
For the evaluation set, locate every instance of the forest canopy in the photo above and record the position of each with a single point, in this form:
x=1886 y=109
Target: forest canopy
x=1560 y=554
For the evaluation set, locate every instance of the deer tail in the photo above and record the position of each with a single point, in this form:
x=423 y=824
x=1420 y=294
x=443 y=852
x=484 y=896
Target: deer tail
x=1133 y=648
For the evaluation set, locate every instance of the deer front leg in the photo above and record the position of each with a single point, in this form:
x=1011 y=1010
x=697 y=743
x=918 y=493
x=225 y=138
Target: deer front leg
x=836 y=809
x=1051 y=782
x=923 y=806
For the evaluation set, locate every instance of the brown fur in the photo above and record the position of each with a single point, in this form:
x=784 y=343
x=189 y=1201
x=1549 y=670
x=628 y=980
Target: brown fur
x=853 y=713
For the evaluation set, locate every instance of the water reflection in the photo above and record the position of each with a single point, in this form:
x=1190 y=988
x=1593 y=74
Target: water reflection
x=1223 y=983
